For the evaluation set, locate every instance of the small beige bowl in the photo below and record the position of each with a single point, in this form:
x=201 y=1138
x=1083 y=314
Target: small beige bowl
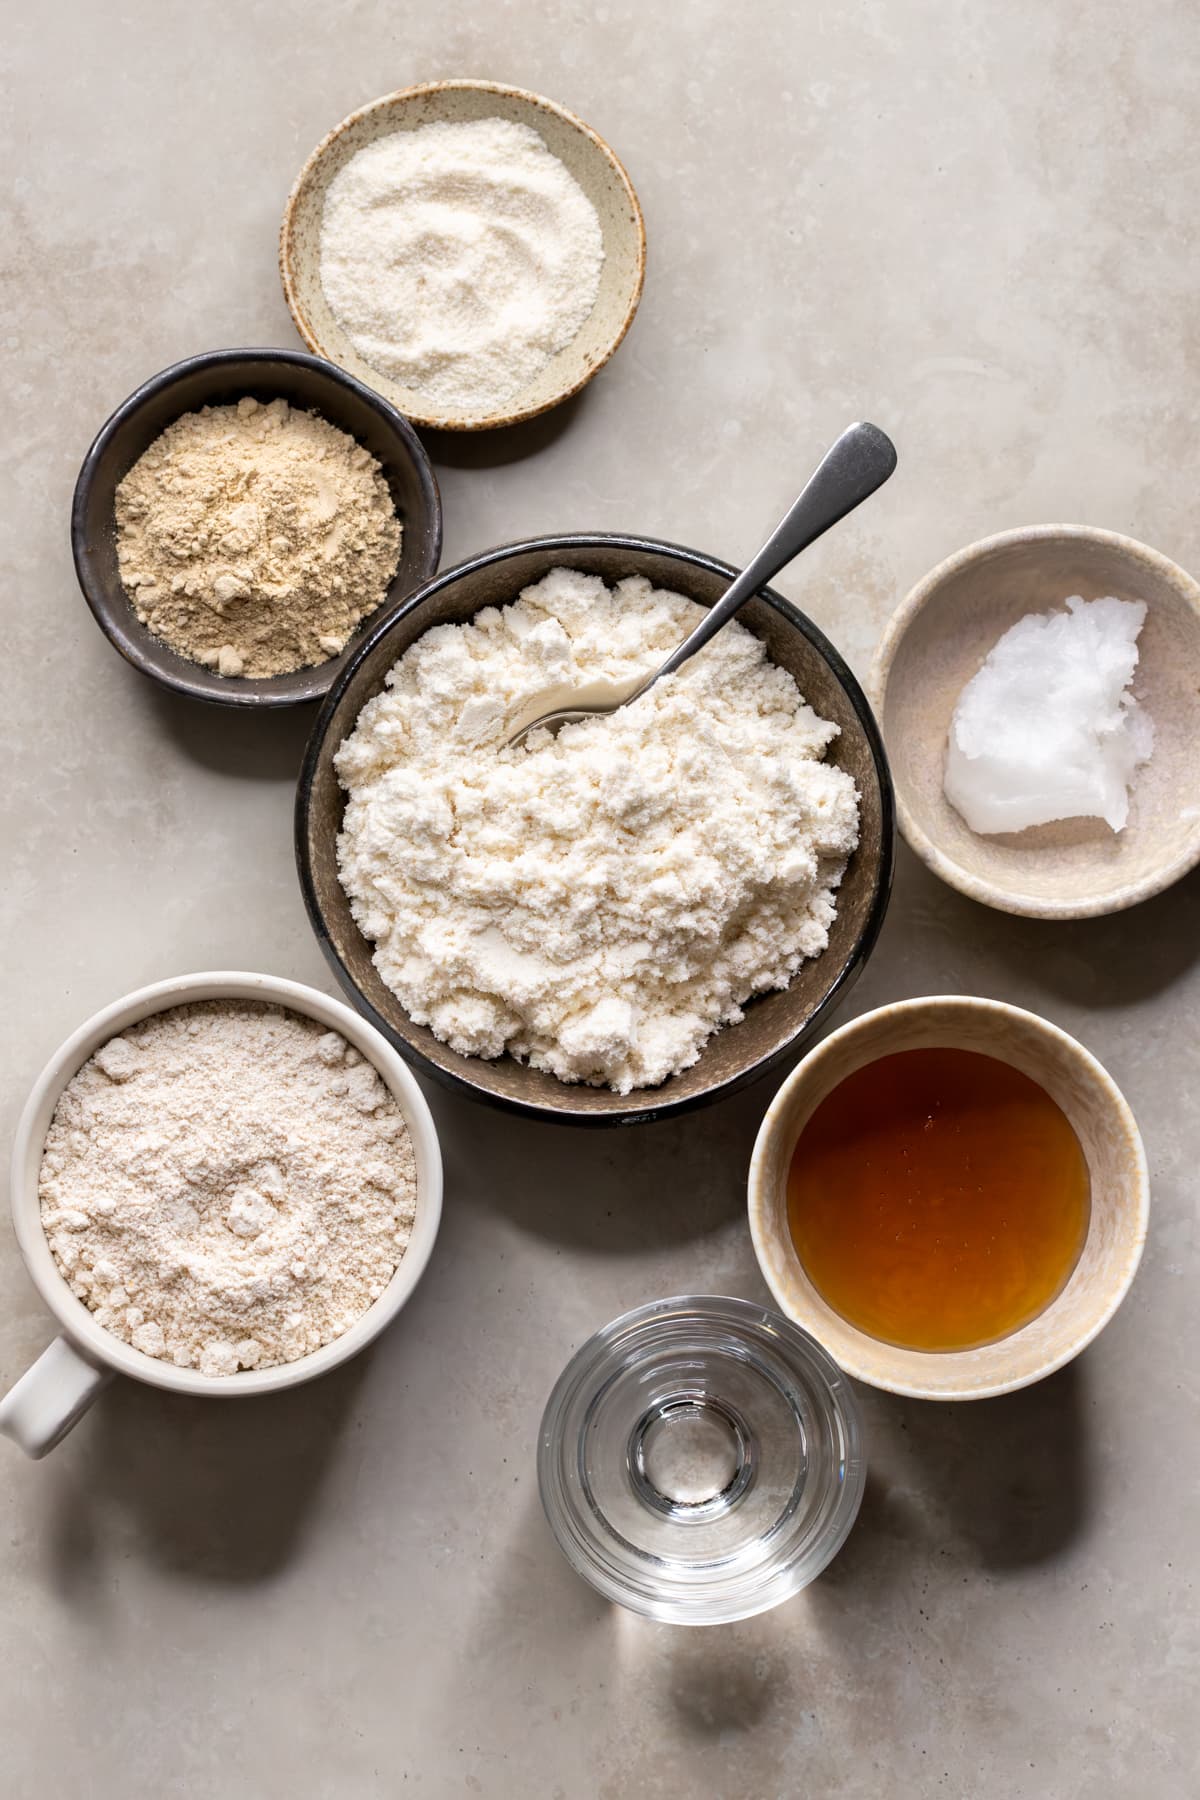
x=589 y=159
x=1120 y=1195
x=1077 y=868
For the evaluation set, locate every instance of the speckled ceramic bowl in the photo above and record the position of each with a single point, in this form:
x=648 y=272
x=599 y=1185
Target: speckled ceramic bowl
x=773 y=1023
x=1112 y=1146
x=588 y=158
x=1076 y=868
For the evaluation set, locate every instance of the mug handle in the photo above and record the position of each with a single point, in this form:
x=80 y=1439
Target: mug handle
x=50 y=1398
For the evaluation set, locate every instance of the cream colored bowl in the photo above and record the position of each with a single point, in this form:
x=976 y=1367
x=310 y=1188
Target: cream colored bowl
x=1120 y=1195
x=588 y=158
x=1076 y=868
x=55 y=1393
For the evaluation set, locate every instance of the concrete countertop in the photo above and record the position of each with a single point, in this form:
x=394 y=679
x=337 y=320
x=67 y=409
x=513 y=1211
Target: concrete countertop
x=972 y=223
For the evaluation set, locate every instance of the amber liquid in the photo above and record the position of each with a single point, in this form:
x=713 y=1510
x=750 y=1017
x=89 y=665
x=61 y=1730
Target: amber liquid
x=938 y=1199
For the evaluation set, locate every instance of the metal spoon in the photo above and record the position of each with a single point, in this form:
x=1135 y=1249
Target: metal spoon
x=849 y=473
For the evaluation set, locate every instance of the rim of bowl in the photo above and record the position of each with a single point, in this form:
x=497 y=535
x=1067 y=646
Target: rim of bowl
x=481 y=421
x=311 y=683
x=566 y=543
x=74 y=1319
x=975 y=887
x=864 y=1026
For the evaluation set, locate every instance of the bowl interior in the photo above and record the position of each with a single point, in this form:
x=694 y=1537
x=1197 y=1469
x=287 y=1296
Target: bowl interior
x=220 y=379
x=75 y=1317
x=586 y=156
x=772 y=1022
x=1119 y=1196
x=1077 y=866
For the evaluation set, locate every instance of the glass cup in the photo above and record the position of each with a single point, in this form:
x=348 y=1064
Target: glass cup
x=701 y=1460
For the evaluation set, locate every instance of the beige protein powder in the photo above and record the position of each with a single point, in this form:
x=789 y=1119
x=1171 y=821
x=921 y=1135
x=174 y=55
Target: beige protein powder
x=253 y=539
x=227 y=1186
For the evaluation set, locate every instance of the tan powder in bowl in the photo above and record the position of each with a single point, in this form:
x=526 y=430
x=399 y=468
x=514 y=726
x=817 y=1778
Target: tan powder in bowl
x=253 y=539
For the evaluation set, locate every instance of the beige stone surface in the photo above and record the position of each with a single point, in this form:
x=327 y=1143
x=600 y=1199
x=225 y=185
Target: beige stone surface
x=972 y=223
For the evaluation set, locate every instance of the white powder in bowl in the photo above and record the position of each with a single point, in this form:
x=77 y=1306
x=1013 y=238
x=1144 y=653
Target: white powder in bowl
x=459 y=258
x=597 y=903
x=227 y=1185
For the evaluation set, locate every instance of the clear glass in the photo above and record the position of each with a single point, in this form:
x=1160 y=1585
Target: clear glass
x=701 y=1460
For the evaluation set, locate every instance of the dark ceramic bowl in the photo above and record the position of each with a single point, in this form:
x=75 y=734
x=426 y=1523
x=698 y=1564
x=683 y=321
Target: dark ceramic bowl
x=217 y=379
x=774 y=1023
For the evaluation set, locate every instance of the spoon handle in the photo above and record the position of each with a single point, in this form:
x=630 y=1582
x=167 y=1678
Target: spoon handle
x=859 y=462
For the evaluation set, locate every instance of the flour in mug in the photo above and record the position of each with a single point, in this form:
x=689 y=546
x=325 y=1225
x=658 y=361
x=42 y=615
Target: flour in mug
x=227 y=1185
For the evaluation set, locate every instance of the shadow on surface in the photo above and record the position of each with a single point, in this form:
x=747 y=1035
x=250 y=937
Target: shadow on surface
x=712 y=1681
x=1120 y=960
x=639 y=1187
x=994 y=1484
x=1094 y=962
x=508 y=444
x=537 y=1597
x=217 y=1489
x=723 y=1680
x=254 y=746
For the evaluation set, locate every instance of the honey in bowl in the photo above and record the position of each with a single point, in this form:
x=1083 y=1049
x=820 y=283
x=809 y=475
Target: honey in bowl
x=938 y=1199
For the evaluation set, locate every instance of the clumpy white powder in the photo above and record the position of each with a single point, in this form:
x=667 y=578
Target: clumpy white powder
x=459 y=258
x=600 y=902
x=227 y=1186
x=1048 y=728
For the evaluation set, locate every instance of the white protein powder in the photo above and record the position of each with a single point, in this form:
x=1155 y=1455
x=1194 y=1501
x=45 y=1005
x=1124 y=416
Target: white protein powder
x=227 y=1186
x=459 y=258
x=600 y=902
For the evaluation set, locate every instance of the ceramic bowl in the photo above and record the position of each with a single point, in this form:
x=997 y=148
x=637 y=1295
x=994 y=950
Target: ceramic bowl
x=774 y=1023
x=588 y=158
x=52 y=1395
x=1108 y=1136
x=1076 y=868
x=219 y=378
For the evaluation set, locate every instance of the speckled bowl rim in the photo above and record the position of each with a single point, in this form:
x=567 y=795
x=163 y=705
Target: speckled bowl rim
x=482 y=421
x=100 y=1347
x=974 y=886
x=759 y=1200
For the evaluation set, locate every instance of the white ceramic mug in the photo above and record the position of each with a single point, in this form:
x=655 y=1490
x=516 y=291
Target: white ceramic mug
x=53 y=1395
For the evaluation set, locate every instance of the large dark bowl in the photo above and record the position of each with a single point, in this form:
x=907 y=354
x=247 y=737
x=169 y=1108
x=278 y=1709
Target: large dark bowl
x=218 y=379
x=774 y=1023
